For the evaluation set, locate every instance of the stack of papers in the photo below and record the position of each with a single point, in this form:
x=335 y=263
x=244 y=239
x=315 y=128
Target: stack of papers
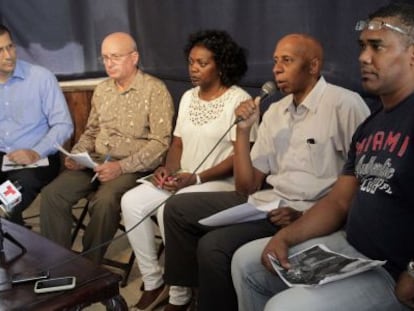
x=240 y=213
x=81 y=158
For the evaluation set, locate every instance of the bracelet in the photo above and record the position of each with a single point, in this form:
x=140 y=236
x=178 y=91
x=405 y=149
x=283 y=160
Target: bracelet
x=198 y=179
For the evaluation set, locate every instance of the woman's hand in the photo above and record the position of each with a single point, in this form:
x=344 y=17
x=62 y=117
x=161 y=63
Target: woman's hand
x=160 y=176
x=179 y=181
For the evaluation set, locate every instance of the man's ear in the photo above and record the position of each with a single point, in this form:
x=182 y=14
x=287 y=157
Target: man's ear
x=136 y=54
x=314 y=66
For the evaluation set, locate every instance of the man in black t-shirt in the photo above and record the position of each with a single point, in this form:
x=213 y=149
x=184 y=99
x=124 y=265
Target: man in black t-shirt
x=372 y=196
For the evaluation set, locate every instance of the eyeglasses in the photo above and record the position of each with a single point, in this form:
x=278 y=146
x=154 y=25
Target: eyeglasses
x=115 y=58
x=9 y=48
x=377 y=25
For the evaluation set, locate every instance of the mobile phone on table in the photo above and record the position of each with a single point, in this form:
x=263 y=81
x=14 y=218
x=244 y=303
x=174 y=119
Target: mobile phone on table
x=55 y=284
x=24 y=277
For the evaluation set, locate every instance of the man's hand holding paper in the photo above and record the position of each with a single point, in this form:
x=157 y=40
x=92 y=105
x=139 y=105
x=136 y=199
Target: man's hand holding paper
x=71 y=164
x=23 y=156
x=82 y=159
x=9 y=165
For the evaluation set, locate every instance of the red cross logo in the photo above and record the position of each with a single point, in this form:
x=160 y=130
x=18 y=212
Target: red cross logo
x=9 y=190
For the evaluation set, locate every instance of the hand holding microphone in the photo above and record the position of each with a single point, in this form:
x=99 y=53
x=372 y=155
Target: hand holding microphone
x=248 y=111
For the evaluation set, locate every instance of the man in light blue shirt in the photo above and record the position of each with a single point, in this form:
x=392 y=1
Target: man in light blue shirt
x=34 y=117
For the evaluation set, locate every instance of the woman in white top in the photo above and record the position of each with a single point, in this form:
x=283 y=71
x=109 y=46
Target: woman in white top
x=216 y=64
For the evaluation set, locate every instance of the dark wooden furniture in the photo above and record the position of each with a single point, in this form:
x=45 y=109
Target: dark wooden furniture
x=93 y=283
x=78 y=95
x=79 y=103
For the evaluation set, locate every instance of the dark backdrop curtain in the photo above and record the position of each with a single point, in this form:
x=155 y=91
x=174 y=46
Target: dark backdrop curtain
x=65 y=35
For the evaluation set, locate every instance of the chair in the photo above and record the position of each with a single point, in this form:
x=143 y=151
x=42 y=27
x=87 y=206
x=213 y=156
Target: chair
x=126 y=267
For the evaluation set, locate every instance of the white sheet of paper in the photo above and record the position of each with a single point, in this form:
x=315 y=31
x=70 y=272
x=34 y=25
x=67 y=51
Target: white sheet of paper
x=145 y=179
x=9 y=165
x=81 y=158
x=240 y=213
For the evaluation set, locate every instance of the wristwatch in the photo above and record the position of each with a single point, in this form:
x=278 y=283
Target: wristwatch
x=410 y=268
x=198 y=179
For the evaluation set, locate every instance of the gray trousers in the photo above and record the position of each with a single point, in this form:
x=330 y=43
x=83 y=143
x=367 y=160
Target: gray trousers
x=58 y=198
x=259 y=289
x=200 y=256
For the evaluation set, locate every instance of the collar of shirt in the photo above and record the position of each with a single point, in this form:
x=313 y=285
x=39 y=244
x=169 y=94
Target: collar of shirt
x=136 y=84
x=311 y=100
x=19 y=71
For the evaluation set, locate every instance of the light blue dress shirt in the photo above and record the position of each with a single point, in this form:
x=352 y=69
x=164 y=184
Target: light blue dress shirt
x=33 y=111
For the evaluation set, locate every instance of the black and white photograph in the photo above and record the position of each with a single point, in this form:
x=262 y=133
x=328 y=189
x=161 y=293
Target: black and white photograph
x=318 y=265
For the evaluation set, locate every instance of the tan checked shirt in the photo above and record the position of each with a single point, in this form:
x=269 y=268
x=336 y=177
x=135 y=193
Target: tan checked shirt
x=133 y=126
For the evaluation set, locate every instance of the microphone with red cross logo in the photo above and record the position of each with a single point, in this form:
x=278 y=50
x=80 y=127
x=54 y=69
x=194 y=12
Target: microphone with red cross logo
x=10 y=195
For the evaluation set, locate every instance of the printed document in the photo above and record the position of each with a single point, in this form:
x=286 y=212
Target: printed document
x=240 y=213
x=81 y=158
x=319 y=265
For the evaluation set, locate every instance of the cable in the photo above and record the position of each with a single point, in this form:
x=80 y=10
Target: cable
x=269 y=88
x=149 y=214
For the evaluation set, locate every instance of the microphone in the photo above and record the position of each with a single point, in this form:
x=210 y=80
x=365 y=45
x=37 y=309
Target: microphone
x=268 y=89
x=10 y=195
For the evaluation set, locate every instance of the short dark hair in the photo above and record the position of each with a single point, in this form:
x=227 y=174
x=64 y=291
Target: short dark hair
x=403 y=11
x=4 y=29
x=230 y=58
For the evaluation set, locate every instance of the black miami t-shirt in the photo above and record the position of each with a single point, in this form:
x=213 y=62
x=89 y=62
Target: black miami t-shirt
x=381 y=220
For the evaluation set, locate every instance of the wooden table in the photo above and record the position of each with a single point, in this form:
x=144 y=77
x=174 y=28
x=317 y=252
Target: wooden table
x=93 y=283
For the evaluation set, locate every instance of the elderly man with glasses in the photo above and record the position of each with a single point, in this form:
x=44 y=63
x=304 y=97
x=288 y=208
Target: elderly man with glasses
x=34 y=116
x=128 y=132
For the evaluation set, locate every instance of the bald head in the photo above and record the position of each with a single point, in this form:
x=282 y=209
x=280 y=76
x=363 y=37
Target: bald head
x=120 y=39
x=120 y=56
x=297 y=65
x=306 y=47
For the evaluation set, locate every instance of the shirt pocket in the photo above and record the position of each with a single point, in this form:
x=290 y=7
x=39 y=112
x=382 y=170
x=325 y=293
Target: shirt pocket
x=325 y=159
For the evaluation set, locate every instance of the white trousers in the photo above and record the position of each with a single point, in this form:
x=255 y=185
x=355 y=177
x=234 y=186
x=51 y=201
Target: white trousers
x=144 y=200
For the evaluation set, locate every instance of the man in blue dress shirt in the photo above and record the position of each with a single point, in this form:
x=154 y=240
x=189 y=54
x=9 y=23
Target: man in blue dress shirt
x=33 y=118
